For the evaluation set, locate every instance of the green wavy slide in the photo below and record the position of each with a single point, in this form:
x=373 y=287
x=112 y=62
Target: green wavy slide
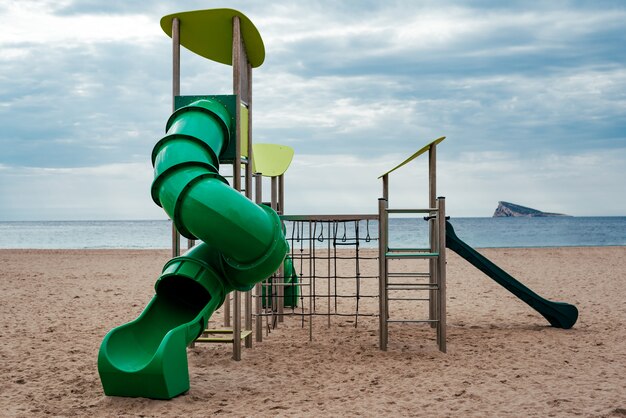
x=558 y=314
x=242 y=244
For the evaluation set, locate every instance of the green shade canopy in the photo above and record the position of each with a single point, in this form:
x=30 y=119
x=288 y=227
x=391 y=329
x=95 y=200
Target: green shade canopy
x=414 y=156
x=209 y=33
x=271 y=160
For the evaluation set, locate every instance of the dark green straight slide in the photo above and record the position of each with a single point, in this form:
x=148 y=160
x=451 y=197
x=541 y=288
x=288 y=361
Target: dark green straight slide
x=558 y=314
x=243 y=243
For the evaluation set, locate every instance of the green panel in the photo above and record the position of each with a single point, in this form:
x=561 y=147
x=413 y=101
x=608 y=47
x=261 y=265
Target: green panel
x=244 y=119
x=415 y=155
x=229 y=102
x=209 y=33
x=271 y=160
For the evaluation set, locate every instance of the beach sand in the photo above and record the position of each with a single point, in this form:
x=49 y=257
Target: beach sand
x=503 y=359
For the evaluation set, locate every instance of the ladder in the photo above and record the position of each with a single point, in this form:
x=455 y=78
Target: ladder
x=410 y=286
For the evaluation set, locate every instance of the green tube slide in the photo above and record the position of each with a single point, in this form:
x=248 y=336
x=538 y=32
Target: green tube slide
x=242 y=244
x=558 y=314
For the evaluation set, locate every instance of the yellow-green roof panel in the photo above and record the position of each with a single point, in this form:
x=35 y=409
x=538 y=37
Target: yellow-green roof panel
x=415 y=155
x=209 y=33
x=271 y=160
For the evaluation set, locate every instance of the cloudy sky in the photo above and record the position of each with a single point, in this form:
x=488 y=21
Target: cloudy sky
x=530 y=95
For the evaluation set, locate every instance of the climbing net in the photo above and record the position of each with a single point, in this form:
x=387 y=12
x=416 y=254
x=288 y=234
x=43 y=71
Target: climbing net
x=331 y=272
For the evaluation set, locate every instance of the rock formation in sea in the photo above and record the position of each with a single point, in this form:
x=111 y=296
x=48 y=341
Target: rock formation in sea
x=506 y=209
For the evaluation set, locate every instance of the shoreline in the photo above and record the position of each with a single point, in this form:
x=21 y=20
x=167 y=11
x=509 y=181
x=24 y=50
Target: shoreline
x=478 y=232
x=321 y=247
x=503 y=358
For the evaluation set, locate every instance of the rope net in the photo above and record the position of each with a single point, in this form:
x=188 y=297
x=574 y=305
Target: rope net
x=331 y=271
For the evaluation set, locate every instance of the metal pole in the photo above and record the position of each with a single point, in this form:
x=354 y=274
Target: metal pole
x=382 y=272
x=441 y=261
x=175 y=92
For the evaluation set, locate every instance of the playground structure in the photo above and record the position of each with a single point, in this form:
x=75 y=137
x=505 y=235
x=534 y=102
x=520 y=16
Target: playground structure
x=253 y=250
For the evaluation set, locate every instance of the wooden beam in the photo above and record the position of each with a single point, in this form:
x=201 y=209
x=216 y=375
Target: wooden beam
x=175 y=92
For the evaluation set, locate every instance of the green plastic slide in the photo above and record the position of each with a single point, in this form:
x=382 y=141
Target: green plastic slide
x=243 y=243
x=558 y=314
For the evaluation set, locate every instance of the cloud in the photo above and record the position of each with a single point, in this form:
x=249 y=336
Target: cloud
x=112 y=191
x=353 y=87
x=36 y=23
x=472 y=183
x=75 y=106
x=571 y=183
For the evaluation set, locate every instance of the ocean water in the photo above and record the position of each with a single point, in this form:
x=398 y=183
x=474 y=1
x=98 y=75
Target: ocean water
x=85 y=234
x=404 y=232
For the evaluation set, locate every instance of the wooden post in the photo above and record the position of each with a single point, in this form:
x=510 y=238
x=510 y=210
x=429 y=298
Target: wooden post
x=441 y=275
x=382 y=271
x=274 y=193
x=279 y=280
x=432 y=201
x=281 y=270
x=386 y=187
x=248 y=318
x=249 y=177
x=249 y=138
x=258 y=198
x=175 y=92
x=236 y=58
x=382 y=264
x=237 y=92
x=281 y=194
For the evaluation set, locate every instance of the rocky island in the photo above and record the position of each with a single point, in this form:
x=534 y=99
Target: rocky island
x=506 y=209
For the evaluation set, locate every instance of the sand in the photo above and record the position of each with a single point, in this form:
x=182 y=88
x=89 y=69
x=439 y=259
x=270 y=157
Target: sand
x=503 y=359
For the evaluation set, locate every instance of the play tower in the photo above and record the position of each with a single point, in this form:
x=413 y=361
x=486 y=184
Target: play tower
x=228 y=37
x=242 y=242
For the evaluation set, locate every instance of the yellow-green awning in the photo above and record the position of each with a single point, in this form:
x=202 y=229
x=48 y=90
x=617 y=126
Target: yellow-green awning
x=414 y=156
x=209 y=33
x=271 y=160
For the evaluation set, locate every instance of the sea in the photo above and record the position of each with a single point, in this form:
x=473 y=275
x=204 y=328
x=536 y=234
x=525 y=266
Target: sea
x=403 y=232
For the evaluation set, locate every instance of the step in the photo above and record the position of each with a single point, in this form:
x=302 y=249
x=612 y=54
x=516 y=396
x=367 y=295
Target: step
x=411 y=255
x=413 y=321
x=407 y=274
x=412 y=286
x=227 y=336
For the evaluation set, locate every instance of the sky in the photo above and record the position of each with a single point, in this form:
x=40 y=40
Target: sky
x=531 y=97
